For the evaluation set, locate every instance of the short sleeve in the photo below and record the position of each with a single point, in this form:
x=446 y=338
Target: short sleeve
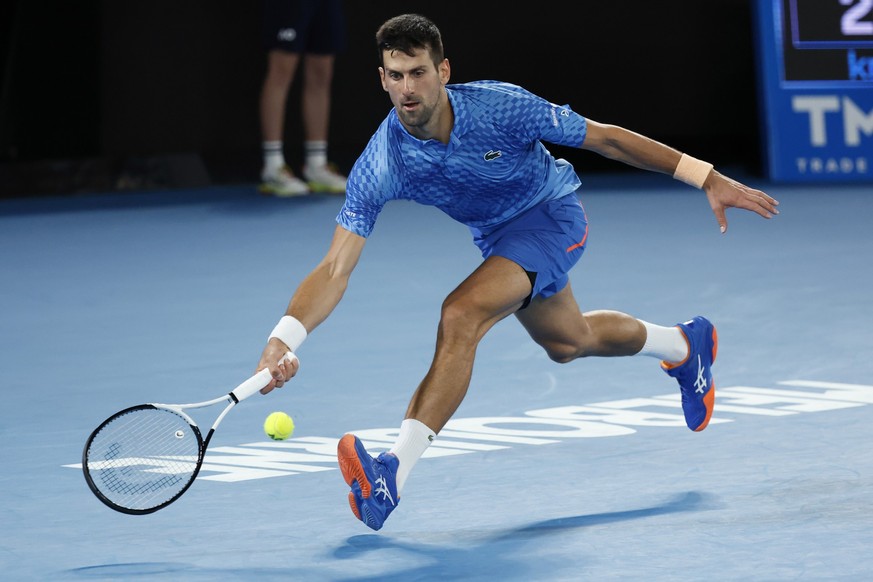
x=533 y=117
x=371 y=183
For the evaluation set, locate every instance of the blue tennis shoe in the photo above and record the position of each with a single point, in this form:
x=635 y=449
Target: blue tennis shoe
x=373 y=481
x=694 y=373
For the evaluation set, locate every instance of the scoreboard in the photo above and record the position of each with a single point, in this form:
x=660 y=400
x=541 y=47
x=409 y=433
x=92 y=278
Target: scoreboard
x=815 y=67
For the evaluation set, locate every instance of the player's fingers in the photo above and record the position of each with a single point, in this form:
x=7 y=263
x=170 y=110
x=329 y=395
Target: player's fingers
x=721 y=218
x=275 y=371
x=285 y=371
x=771 y=202
x=290 y=367
x=759 y=202
x=760 y=205
x=278 y=379
x=767 y=203
x=271 y=386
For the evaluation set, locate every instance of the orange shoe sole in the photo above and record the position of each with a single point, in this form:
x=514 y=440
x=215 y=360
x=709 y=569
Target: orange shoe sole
x=709 y=399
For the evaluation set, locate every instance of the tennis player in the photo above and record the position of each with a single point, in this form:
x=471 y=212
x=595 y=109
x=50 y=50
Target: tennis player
x=475 y=151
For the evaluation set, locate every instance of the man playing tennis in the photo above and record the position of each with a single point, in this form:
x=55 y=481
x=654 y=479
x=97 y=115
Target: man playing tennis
x=475 y=151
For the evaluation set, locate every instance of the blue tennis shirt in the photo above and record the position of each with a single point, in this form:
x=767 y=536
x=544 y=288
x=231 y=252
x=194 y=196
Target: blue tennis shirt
x=493 y=168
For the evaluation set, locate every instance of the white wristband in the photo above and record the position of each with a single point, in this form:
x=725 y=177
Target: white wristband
x=692 y=171
x=290 y=331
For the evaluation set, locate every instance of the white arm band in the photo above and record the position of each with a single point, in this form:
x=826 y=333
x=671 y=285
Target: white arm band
x=692 y=171
x=290 y=332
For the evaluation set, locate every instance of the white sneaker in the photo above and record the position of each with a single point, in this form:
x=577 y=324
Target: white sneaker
x=325 y=179
x=282 y=183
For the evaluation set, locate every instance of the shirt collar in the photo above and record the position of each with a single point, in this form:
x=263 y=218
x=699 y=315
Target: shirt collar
x=463 y=119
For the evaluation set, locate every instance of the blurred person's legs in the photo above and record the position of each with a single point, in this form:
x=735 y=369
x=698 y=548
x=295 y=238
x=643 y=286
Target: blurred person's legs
x=317 y=79
x=276 y=177
x=307 y=34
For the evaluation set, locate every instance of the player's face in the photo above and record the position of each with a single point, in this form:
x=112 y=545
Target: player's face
x=416 y=88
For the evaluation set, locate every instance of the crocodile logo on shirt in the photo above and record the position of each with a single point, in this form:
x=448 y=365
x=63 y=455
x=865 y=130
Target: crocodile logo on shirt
x=492 y=155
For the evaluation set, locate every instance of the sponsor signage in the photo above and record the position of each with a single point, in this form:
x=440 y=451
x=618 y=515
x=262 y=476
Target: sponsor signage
x=815 y=66
x=464 y=436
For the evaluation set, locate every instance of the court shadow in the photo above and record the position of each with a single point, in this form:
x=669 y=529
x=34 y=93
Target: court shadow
x=130 y=570
x=174 y=571
x=690 y=501
x=499 y=554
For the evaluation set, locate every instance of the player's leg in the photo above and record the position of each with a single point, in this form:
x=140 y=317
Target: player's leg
x=495 y=290
x=501 y=285
x=687 y=350
x=554 y=320
x=557 y=324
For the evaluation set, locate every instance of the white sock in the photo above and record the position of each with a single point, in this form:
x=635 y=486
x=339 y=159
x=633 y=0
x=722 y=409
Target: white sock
x=413 y=440
x=274 y=157
x=316 y=153
x=664 y=343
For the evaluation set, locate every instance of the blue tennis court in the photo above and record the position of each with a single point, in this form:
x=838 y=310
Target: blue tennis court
x=547 y=471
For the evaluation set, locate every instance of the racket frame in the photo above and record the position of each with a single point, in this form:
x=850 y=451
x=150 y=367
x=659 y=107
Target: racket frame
x=234 y=397
x=95 y=489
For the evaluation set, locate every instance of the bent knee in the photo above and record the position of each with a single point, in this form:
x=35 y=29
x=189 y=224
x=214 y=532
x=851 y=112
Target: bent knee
x=459 y=320
x=455 y=312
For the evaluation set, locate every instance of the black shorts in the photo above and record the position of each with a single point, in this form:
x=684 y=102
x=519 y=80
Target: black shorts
x=304 y=26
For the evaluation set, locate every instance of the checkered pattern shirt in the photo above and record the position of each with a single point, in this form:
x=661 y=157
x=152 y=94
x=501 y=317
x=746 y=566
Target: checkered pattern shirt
x=493 y=168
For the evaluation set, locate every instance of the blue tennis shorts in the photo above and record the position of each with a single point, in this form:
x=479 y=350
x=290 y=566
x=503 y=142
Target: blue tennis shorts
x=546 y=241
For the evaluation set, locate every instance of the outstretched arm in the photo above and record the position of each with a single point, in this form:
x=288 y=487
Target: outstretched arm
x=642 y=152
x=314 y=300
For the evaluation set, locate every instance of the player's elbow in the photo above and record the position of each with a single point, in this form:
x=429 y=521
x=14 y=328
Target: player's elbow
x=609 y=141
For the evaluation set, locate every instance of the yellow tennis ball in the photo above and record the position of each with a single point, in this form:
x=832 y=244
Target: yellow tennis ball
x=279 y=426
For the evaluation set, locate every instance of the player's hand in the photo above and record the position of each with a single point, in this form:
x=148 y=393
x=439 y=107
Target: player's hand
x=723 y=193
x=280 y=367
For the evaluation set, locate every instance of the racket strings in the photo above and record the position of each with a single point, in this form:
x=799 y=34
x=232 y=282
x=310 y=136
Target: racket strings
x=144 y=457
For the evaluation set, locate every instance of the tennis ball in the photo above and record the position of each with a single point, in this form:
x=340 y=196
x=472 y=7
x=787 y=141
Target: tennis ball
x=279 y=426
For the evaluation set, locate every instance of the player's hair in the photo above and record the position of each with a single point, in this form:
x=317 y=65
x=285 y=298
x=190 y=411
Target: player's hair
x=407 y=33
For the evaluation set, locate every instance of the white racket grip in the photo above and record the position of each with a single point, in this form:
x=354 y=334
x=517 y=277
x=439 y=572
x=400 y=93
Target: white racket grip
x=256 y=382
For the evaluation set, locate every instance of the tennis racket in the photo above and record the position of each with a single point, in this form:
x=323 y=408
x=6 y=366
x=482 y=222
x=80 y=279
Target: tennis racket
x=143 y=458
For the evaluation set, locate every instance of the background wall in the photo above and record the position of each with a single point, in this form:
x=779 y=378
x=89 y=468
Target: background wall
x=162 y=93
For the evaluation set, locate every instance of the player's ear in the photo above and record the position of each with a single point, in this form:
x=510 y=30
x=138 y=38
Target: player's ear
x=382 y=78
x=445 y=71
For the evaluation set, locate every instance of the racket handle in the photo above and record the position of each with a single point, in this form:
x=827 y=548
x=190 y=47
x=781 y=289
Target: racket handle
x=256 y=382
